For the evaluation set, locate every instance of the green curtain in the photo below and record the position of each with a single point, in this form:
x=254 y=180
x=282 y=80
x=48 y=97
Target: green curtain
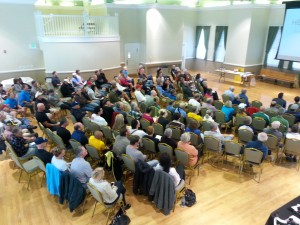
x=198 y=33
x=206 y=30
x=219 y=31
x=290 y=65
x=280 y=64
x=225 y=29
x=271 y=37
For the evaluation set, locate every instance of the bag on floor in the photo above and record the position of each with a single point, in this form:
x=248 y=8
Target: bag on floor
x=120 y=218
x=190 y=197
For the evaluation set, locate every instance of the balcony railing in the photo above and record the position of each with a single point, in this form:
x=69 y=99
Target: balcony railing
x=77 y=26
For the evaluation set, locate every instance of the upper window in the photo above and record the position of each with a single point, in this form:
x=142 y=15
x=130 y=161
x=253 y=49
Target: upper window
x=220 y=52
x=271 y=61
x=201 y=50
x=296 y=65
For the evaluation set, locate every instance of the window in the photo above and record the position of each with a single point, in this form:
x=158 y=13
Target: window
x=220 y=51
x=296 y=66
x=271 y=61
x=201 y=50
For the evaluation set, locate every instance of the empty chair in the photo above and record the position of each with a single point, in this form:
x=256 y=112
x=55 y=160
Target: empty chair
x=144 y=123
x=290 y=118
x=218 y=104
x=253 y=157
x=149 y=146
x=256 y=104
x=258 y=123
x=220 y=119
x=176 y=132
x=203 y=111
x=206 y=126
x=225 y=98
x=233 y=149
x=158 y=129
x=212 y=146
x=41 y=166
x=291 y=146
x=272 y=144
x=183 y=158
x=165 y=148
x=73 y=119
x=169 y=116
x=108 y=134
x=245 y=135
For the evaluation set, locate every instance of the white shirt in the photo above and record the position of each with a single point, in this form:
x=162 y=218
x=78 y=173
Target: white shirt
x=98 y=120
x=195 y=103
x=139 y=96
x=60 y=164
x=108 y=192
x=173 y=173
x=293 y=135
x=120 y=87
x=139 y=133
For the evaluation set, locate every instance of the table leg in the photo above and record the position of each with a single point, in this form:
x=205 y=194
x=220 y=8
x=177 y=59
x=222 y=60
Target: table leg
x=222 y=75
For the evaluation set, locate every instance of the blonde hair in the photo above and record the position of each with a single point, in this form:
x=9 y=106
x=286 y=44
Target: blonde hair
x=57 y=151
x=98 y=174
x=119 y=122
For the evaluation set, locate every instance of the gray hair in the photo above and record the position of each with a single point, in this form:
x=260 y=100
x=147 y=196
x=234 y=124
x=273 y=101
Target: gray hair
x=263 y=137
x=275 y=125
x=78 y=151
x=185 y=137
x=281 y=111
x=133 y=105
x=231 y=88
x=168 y=132
x=213 y=126
x=228 y=104
x=247 y=120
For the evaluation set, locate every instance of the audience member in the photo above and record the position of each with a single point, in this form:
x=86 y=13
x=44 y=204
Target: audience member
x=259 y=144
x=167 y=139
x=97 y=142
x=42 y=118
x=261 y=114
x=230 y=93
x=280 y=101
x=22 y=148
x=78 y=134
x=279 y=118
x=135 y=125
x=40 y=152
x=162 y=119
x=184 y=144
x=228 y=111
x=121 y=141
x=176 y=123
x=58 y=159
x=97 y=118
x=150 y=135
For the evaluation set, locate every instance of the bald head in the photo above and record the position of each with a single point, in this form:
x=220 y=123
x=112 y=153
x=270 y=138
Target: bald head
x=98 y=134
x=40 y=107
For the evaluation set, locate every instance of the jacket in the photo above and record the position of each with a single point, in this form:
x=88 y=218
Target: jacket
x=143 y=177
x=163 y=190
x=71 y=190
x=53 y=179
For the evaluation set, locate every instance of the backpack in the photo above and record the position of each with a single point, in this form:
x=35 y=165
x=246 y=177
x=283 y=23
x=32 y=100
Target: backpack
x=190 y=197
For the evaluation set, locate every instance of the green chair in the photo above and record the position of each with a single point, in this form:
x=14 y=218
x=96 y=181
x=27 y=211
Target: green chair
x=75 y=144
x=176 y=133
x=93 y=153
x=145 y=123
x=220 y=119
x=291 y=146
x=245 y=136
x=165 y=148
x=218 y=104
x=259 y=123
x=212 y=146
x=233 y=149
x=272 y=144
x=149 y=146
x=158 y=129
x=225 y=98
x=253 y=157
x=271 y=113
x=203 y=111
x=257 y=104
x=108 y=134
x=129 y=119
x=290 y=118
x=206 y=126
x=41 y=166
x=129 y=162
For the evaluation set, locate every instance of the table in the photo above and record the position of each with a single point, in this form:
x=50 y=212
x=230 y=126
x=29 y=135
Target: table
x=284 y=211
x=242 y=77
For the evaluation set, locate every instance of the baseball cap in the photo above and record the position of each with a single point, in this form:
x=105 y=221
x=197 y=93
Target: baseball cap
x=40 y=140
x=242 y=105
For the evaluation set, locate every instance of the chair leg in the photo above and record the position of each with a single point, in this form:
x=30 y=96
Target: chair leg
x=94 y=209
x=20 y=175
x=108 y=216
x=28 y=181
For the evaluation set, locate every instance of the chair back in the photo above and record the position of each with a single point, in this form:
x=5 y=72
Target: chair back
x=165 y=148
x=194 y=139
x=190 y=108
x=143 y=107
x=206 y=126
x=272 y=142
x=144 y=123
x=129 y=118
x=225 y=98
x=239 y=120
x=290 y=118
x=258 y=123
x=57 y=139
x=154 y=111
x=93 y=153
x=282 y=128
x=95 y=193
x=242 y=100
x=148 y=145
x=256 y=104
x=218 y=104
x=40 y=163
x=176 y=133
x=129 y=162
x=291 y=146
x=189 y=120
x=182 y=156
x=253 y=155
x=245 y=135
x=93 y=126
x=220 y=117
x=73 y=119
x=271 y=113
x=232 y=147
x=169 y=116
x=212 y=143
x=107 y=132
x=75 y=144
x=158 y=129
x=49 y=134
x=13 y=156
x=116 y=133
x=203 y=111
x=235 y=108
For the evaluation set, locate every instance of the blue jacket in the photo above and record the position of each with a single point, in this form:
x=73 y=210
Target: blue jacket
x=228 y=113
x=24 y=96
x=258 y=145
x=11 y=102
x=52 y=179
x=79 y=136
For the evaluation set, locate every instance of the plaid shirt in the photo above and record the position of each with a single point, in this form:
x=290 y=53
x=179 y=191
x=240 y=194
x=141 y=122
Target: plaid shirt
x=18 y=144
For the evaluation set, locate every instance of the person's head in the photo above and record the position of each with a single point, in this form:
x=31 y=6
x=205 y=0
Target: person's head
x=244 y=91
x=295 y=128
x=182 y=105
x=275 y=125
x=119 y=122
x=51 y=92
x=64 y=122
x=114 y=86
x=273 y=104
x=297 y=99
x=159 y=82
x=197 y=96
x=135 y=124
x=213 y=126
x=173 y=92
x=231 y=88
x=228 y=104
x=34 y=83
x=198 y=76
x=281 y=111
x=124 y=131
x=168 y=132
x=98 y=134
x=79 y=126
x=25 y=87
x=41 y=143
x=119 y=105
x=58 y=152
x=134 y=140
x=209 y=101
x=179 y=97
x=150 y=130
x=194 y=109
x=247 y=120
x=81 y=151
x=98 y=174
x=54 y=73
x=138 y=87
x=165 y=162
x=98 y=110
x=209 y=91
x=16 y=81
x=262 y=137
x=193 y=125
x=280 y=95
x=77 y=72
x=17 y=132
x=153 y=93
x=148 y=110
x=185 y=137
x=11 y=95
x=176 y=116
x=163 y=113
x=209 y=112
x=262 y=109
x=40 y=107
x=106 y=102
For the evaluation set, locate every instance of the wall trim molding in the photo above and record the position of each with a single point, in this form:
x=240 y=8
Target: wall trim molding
x=21 y=70
x=84 y=71
x=79 y=39
x=240 y=65
x=162 y=62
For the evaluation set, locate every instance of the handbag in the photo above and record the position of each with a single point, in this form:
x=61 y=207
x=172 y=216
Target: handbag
x=120 y=220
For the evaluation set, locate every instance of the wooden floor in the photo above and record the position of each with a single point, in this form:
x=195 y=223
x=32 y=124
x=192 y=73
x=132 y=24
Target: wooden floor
x=223 y=196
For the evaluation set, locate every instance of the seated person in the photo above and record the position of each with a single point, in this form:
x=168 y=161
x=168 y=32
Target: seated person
x=194 y=114
x=79 y=135
x=135 y=111
x=150 y=132
x=58 y=159
x=193 y=127
x=167 y=139
x=54 y=100
x=259 y=144
x=170 y=107
x=177 y=174
x=63 y=132
x=40 y=152
x=12 y=103
x=184 y=144
x=42 y=118
x=77 y=111
x=274 y=130
x=67 y=89
x=135 y=125
x=241 y=111
x=261 y=114
x=111 y=193
x=247 y=125
x=97 y=118
x=140 y=97
x=97 y=142
x=181 y=109
x=162 y=118
x=132 y=151
x=23 y=149
x=228 y=111
x=121 y=141
x=119 y=122
x=147 y=115
x=176 y=123
x=80 y=168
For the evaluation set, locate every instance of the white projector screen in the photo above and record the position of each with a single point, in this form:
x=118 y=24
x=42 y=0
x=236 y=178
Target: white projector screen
x=289 y=47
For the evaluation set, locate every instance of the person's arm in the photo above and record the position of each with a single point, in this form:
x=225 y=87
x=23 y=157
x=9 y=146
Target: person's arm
x=88 y=170
x=175 y=175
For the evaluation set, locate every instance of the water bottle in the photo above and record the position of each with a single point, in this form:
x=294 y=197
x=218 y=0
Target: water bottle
x=183 y=202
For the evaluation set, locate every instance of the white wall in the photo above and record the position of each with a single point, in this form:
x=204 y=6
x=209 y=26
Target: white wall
x=17 y=33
